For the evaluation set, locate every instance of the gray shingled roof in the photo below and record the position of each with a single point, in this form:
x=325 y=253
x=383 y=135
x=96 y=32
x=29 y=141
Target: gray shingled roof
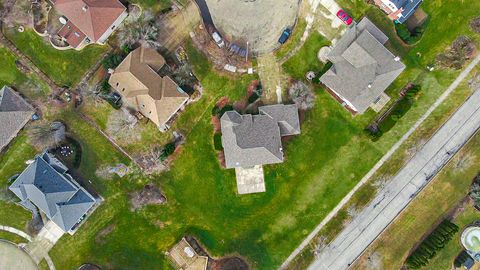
x=409 y=7
x=45 y=184
x=15 y=112
x=250 y=140
x=362 y=67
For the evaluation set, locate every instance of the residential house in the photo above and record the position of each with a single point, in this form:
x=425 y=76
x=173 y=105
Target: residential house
x=136 y=79
x=46 y=185
x=15 y=113
x=250 y=141
x=399 y=10
x=362 y=67
x=89 y=21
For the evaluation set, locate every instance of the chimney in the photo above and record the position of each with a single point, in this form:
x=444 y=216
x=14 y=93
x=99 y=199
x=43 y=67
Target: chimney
x=84 y=8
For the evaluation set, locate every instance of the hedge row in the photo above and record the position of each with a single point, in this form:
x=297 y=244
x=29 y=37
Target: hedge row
x=433 y=243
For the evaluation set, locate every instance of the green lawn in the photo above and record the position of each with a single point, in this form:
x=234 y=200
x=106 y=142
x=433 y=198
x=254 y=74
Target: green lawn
x=64 y=67
x=13 y=162
x=434 y=83
x=202 y=200
x=10 y=75
x=306 y=58
x=155 y=5
x=19 y=151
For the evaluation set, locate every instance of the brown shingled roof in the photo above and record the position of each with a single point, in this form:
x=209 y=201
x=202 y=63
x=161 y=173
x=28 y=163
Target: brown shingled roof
x=137 y=80
x=92 y=17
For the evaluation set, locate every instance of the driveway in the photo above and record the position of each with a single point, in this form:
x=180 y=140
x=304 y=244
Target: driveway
x=12 y=257
x=402 y=189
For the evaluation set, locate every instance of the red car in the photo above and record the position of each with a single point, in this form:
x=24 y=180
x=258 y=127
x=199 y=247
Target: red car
x=342 y=15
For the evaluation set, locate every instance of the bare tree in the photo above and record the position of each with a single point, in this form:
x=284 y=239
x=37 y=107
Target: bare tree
x=91 y=92
x=461 y=50
x=16 y=12
x=121 y=125
x=45 y=135
x=475 y=24
x=302 y=95
x=142 y=29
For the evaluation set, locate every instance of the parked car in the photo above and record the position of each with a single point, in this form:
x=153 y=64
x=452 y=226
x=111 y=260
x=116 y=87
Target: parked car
x=218 y=39
x=285 y=35
x=342 y=15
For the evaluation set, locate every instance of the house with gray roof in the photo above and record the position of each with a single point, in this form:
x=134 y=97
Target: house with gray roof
x=250 y=141
x=46 y=185
x=362 y=67
x=15 y=113
x=399 y=10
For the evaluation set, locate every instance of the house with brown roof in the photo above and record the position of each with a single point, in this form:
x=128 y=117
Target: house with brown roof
x=89 y=21
x=137 y=80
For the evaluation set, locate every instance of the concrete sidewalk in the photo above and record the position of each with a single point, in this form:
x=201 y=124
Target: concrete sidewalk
x=398 y=193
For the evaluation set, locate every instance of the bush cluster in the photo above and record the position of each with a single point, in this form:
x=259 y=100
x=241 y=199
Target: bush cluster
x=217 y=141
x=167 y=150
x=461 y=259
x=475 y=24
x=220 y=111
x=112 y=60
x=461 y=50
x=399 y=110
x=433 y=243
x=407 y=36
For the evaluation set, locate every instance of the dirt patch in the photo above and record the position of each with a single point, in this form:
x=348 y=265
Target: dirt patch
x=89 y=266
x=149 y=195
x=100 y=237
x=230 y=263
x=258 y=22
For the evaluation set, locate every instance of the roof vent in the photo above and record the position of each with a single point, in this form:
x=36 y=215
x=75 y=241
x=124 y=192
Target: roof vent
x=84 y=8
x=397 y=59
x=369 y=85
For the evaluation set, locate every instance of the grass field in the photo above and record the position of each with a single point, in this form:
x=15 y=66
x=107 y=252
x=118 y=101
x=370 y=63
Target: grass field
x=10 y=75
x=306 y=58
x=202 y=200
x=63 y=67
x=434 y=83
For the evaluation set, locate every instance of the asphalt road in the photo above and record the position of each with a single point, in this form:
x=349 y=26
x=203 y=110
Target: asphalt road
x=402 y=188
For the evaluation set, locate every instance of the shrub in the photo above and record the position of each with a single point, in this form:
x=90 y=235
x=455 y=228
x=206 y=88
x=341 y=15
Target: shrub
x=459 y=52
x=253 y=97
x=217 y=141
x=433 y=243
x=111 y=61
x=167 y=150
x=302 y=95
x=220 y=111
x=105 y=87
x=461 y=259
x=46 y=135
x=475 y=24
x=407 y=36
